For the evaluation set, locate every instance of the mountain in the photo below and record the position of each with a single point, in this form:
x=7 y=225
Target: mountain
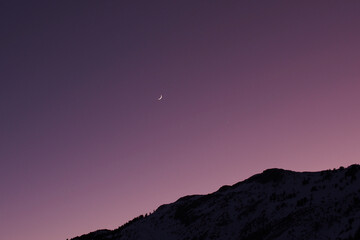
x=275 y=204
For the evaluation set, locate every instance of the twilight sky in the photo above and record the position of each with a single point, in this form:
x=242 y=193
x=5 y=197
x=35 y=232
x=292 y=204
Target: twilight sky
x=246 y=85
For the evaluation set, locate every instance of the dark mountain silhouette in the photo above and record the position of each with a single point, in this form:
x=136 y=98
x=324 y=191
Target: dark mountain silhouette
x=276 y=204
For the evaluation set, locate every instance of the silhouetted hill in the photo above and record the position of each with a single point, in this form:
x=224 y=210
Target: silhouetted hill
x=275 y=204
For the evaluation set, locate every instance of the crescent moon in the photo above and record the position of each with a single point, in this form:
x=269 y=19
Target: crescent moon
x=160 y=97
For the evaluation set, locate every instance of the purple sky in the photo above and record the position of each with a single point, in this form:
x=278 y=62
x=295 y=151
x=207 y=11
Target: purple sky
x=246 y=85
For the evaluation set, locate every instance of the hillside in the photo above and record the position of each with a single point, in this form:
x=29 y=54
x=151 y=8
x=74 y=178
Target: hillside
x=275 y=204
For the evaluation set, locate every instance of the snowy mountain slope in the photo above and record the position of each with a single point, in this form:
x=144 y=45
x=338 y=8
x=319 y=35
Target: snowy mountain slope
x=276 y=204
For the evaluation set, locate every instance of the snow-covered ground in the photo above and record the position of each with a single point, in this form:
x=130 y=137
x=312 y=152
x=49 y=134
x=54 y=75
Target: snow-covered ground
x=276 y=204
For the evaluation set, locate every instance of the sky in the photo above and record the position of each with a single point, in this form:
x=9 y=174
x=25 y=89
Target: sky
x=85 y=143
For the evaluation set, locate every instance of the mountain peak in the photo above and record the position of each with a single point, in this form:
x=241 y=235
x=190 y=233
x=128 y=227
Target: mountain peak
x=270 y=175
x=275 y=204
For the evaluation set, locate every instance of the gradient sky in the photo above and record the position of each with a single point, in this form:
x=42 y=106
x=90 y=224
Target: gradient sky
x=247 y=85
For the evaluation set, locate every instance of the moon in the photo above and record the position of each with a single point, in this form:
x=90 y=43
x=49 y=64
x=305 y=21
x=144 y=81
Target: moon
x=160 y=97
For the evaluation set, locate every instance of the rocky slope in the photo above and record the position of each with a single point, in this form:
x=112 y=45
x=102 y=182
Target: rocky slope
x=276 y=204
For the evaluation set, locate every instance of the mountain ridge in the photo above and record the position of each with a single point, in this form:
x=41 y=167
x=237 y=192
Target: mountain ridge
x=275 y=204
